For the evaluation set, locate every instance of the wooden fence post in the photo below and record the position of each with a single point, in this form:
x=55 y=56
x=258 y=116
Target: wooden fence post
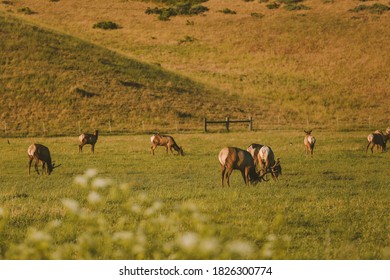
x=204 y=125
x=250 y=123
x=227 y=124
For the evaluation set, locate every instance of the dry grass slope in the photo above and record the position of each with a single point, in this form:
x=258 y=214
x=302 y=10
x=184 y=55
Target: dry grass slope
x=326 y=63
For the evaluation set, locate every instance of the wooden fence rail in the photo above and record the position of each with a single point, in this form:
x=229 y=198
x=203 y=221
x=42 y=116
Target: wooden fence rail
x=227 y=123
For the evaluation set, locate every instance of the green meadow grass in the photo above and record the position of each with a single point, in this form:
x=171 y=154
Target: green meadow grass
x=332 y=206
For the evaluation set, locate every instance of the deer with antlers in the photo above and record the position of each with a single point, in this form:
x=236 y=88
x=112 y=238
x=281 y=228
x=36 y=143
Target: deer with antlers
x=166 y=141
x=266 y=160
x=309 y=142
x=90 y=139
x=40 y=153
x=231 y=158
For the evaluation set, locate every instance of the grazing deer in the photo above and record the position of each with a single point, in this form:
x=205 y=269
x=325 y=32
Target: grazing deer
x=266 y=159
x=167 y=141
x=377 y=138
x=90 y=139
x=232 y=158
x=309 y=142
x=40 y=153
x=254 y=149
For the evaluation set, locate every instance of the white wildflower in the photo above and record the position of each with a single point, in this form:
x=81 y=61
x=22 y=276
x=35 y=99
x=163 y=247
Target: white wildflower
x=241 y=248
x=101 y=183
x=90 y=173
x=122 y=235
x=40 y=236
x=81 y=180
x=209 y=245
x=94 y=197
x=136 y=208
x=71 y=205
x=188 y=240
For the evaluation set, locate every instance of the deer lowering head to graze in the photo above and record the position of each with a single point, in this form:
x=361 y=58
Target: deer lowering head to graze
x=309 y=142
x=90 y=139
x=266 y=159
x=254 y=149
x=232 y=158
x=166 y=141
x=377 y=138
x=40 y=153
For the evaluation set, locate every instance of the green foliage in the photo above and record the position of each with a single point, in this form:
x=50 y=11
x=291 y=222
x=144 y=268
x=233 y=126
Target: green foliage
x=177 y=8
x=273 y=5
x=257 y=15
x=25 y=10
x=376 y=8
x=227 y=11
x=289 y=2
x=107 y=25
x=187 y=39
x=294 y=7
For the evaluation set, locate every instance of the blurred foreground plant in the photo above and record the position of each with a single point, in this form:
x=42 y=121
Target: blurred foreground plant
x=115 y=222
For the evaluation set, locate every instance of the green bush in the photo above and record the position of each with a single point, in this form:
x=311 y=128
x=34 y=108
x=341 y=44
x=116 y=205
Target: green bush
x=180 y=9
x=106 y=25
x=25 y=10
x=227 y=11
x=273 y=5
x=294 y=7
x=257 y=15
x=374 y=9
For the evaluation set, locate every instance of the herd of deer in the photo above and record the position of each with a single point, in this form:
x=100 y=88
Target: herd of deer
x=254 y=163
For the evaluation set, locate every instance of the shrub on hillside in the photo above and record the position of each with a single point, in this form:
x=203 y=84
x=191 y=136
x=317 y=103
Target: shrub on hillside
x=106 y=25
x=177 y=8
x=227 y=11
x=273 y=5
x=26 y=11
x=295 y=7
x=376 y=8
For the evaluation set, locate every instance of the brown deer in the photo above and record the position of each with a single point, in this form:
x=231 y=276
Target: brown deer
x=254 y=149
x=266 y=159
x=40 y=153
x=166 y=141
x=232 y=158
x=90 y=139
x=377 y=138
x=309 y=142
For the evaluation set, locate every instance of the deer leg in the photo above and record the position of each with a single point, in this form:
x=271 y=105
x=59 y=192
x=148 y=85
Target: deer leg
x=228 y=173
x=245 y=176
x=223 y=175
x=36 y=166
x=44 y=169
x=29 y=166
x=369 y=143
x=93 y=148
x=80 y=148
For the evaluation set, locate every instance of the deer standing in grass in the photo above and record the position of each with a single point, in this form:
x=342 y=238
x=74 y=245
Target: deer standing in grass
x=309 y=142
x=90 y=139
x=232 y=158
x=266 y=160
x=40 y=153
x=166 y=141
x=377 y=138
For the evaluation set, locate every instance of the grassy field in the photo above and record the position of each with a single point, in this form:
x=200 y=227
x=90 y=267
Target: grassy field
x=332 y=206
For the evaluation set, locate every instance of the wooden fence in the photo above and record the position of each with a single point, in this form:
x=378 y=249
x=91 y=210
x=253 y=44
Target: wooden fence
x=227 y=123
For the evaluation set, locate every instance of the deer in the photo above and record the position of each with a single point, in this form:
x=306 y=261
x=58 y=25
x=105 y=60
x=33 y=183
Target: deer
x=309 y=142
x=377 y=138
x=266 y=160
x=90 y=139
x=166 y=141
x=253 y=149
x=232 y=158
x=40 y=153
